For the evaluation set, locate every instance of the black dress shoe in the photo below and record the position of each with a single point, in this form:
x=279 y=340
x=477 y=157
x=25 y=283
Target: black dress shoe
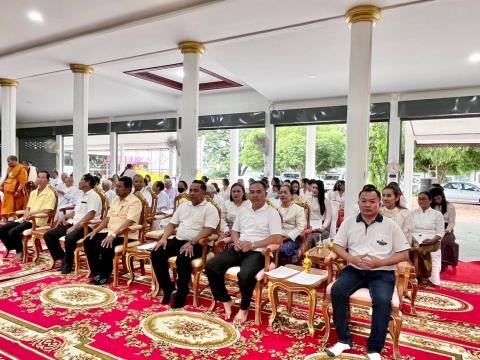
x=167 y=295
x=180 y=301
x=94 y=280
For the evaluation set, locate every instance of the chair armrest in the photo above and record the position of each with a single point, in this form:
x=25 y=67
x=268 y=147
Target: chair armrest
x=39 y=216
x=66 y=208
x=93 y=222
x=18 y=212
x=134 y=228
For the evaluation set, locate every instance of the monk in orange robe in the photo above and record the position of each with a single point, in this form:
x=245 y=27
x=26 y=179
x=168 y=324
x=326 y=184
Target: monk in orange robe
x=13 y=186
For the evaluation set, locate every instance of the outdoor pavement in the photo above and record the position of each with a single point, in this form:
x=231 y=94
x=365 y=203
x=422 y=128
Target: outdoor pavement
x=467 y=231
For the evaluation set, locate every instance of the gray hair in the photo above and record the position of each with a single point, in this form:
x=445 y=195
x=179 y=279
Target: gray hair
x=106 y=185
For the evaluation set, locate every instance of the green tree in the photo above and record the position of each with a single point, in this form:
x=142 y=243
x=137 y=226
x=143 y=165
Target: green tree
x=378 y=152
x=447 y=160
x=252 y=150
x=330 y=147
x=216 y=148
x=290 y=149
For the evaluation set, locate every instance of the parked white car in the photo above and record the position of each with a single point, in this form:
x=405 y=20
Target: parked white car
x=290 y=176
x=330 y=179
x=462 y=192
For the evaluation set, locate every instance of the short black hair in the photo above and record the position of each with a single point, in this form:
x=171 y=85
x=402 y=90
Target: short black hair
x=97 y=180
x=160 y=185
x=226 y=181
x=185 y=183
x=311 y=181
x=127 y=181
x=426 y=193
x=203 y=186
x=370 y=188
x=90 y=179
x=45 y=172
x=259 y=183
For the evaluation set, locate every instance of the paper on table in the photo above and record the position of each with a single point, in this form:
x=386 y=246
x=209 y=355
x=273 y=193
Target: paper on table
x=304 y=278
x=148 y=246
x=282 y=272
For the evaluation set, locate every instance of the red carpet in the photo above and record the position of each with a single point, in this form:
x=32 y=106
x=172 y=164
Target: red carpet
x=44 y=315
x=467 y=272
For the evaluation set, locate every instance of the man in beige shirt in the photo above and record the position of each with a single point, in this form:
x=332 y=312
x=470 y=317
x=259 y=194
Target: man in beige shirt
x=100 y=244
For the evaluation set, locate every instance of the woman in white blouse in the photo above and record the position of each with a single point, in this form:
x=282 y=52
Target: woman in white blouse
x=393 y=209
x=427 y=234
x=449 y=246
x=320 y=213
x=337 y=200
x=293 y=224
x=230 y=209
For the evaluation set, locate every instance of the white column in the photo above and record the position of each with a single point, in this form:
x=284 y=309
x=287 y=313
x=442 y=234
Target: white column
x=361 y=20
x=59 y=154
x=408 y=164
x=269 y=145
x=113 y=152
x=394 y=138
x=81 y=77
x=234 y=145
x=171 y=162
x=9 y=120
x=191 y=51
x=310 y=152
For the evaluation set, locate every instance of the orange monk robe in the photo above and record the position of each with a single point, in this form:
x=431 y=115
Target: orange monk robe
x=17 y=175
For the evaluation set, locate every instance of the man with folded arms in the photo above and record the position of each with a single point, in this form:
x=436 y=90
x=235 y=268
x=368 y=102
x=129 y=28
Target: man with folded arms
x=41 y=201
x=125 y=211
x=375 y=244
x=255 y=227
x=194 y=220
x=88 y=207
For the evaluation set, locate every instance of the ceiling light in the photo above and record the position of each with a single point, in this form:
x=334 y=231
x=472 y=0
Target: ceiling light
x=312 y=77
x=474 y=57
x=35 y=16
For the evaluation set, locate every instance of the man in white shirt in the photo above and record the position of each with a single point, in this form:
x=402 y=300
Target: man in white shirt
x=170 y=191
x=139 y=186
x=195 y=219
x=88 y=207
x=372 y=245
x=254 y=228
x=69 y=193
x=107 y=188
x=55 y=180
x=163 y=202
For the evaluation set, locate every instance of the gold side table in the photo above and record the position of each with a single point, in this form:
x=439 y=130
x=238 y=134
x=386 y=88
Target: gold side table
x=275 y=284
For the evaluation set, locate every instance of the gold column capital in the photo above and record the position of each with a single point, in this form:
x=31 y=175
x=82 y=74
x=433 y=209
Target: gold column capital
x=369 y=13
x=191 y=47
x=8 y=83
x=81 y=69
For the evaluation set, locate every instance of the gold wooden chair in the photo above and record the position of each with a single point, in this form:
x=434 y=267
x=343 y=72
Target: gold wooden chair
x=362 y=298
x=120 y=250
x=36 y=233
x=198 y=264
x=79 y=250
x=269 y=252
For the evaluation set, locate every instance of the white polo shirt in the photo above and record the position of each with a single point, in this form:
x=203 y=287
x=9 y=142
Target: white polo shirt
x=256 y=225
x=191 y=220
x=381 y=239
x=89 y=201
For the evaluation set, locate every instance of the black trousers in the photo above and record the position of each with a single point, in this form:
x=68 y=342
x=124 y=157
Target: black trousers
x=11 y=235
x=53 y=243
x=184 y=268
x=100 y=259
x=250 y=262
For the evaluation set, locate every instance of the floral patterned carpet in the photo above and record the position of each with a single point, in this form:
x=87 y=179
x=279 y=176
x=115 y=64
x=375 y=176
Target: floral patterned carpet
x=44 y=315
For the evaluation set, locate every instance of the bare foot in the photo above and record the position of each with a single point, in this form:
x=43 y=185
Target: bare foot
x=241 y=317
x=228 y=309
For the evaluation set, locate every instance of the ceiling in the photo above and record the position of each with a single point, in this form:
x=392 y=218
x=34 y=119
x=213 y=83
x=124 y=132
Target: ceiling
x=282 y=50
x=428 y=132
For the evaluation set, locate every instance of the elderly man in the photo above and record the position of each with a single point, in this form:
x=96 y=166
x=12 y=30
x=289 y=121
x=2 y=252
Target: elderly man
x=195 y=219
x=100 y=244
x=372 y=245
x=139 y=186
x=67 y=193
x=255 y=227
x=170 y=191
x=42 y=200
x=107 y=188
x=87 y=207
x=13 y=186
